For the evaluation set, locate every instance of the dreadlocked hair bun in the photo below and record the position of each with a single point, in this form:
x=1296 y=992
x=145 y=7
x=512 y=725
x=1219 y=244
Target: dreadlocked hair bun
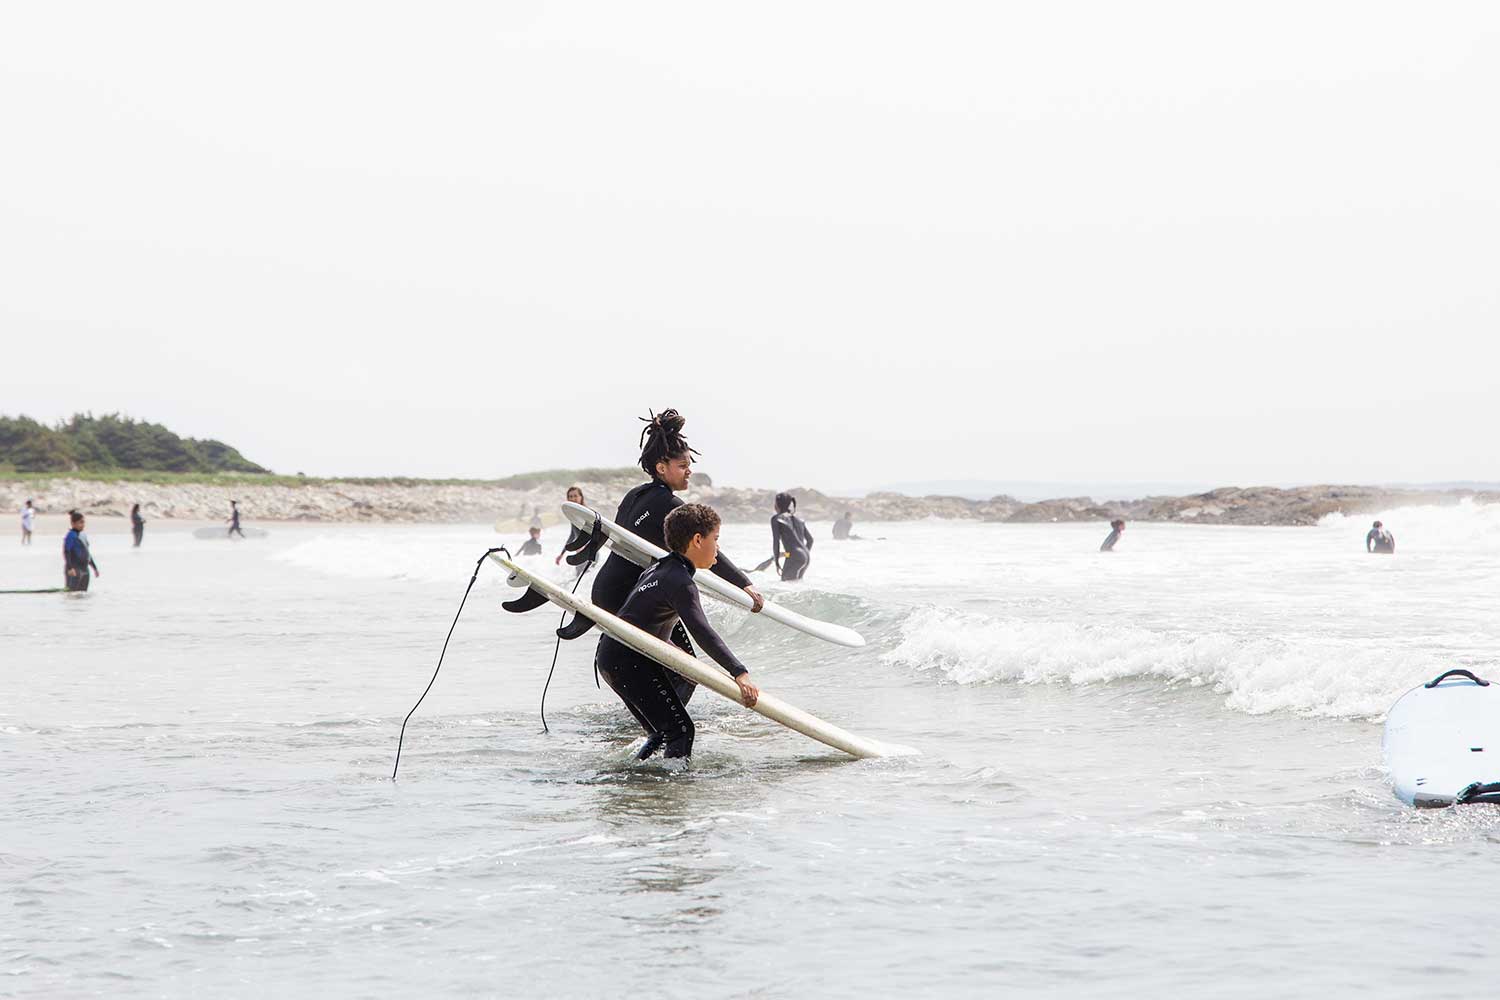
x=662 y=440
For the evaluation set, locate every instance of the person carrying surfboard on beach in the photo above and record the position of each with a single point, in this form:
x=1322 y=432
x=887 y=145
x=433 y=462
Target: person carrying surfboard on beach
x=664 y=601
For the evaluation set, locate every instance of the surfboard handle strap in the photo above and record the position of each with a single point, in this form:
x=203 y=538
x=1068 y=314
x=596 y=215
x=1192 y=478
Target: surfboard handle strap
x=1456 y=672
x=1480 y=791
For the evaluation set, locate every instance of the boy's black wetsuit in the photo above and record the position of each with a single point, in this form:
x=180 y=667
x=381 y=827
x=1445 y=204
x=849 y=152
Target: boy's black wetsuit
x=531 y=547
x=1380 y=541
x=789 y=534
x=664 y=599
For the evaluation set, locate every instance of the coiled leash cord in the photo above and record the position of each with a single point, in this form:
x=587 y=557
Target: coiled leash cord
x=402 y=738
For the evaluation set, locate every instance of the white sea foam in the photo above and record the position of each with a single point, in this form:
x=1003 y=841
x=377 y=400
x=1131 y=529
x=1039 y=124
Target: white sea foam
x=1255 y=675
x=1466 y=526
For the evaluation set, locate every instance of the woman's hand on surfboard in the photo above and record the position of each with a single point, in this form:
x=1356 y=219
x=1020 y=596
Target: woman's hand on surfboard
x=749 y=693
x=760 y=602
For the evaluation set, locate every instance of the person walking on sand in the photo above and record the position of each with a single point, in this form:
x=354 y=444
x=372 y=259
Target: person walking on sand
x=28 y=517
x=137 y=524
x=1380 y=541
x=234 y=519
x=77 y=558
x=1117 y=527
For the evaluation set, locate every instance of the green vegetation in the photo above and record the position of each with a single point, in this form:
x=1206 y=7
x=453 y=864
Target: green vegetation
x=566 y=477
x=111 y=444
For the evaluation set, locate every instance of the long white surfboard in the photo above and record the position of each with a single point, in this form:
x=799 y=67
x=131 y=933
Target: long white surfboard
x=711 y=677
x=1442 y=738
x=643 y=553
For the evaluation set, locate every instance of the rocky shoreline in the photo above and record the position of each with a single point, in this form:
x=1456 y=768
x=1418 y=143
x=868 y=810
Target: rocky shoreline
x=511 y=508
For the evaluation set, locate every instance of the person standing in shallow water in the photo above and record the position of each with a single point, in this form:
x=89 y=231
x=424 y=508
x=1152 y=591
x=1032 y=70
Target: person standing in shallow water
x=137 y=524
x=664 y=600
x=1117 y=527
x=576 y=539
x=77 y=558
x=789 y=535
x=1380 y=541
x=533 y=545
x=668 y=459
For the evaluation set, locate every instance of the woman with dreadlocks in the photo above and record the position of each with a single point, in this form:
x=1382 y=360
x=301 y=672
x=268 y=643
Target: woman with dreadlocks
x=789 y=535
x=668 y=460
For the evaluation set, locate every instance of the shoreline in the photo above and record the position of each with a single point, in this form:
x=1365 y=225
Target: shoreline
x=511 y=508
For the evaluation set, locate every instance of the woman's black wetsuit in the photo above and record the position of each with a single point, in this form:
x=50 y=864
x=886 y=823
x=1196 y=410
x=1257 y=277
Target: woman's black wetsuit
x=664 y=599
x=789 y=534
x=643 y=513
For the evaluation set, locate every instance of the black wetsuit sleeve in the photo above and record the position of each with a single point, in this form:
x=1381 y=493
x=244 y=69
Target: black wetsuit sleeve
x=690 y=609
x=776 y=549
x=806 y=532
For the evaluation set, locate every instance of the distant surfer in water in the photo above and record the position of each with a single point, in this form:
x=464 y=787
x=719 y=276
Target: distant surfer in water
x=663 y=601
x=234 y=519
x=790 y=538
x=1380 y=541
x=843 y=528
x=77 y=557
x=533 y=545
x=1116 y=529
x=576 y=539
x=137 y=524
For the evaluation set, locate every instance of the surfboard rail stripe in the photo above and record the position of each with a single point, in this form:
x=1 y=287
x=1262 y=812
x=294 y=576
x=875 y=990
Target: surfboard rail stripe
x=711 y=677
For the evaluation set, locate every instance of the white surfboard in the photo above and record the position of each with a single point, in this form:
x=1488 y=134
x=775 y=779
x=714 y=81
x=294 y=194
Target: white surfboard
x=643 y=553
x=711 y=677
x=1444 y=737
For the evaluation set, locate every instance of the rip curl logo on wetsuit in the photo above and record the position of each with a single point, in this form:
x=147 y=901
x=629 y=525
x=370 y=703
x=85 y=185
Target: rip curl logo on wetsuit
x=646 y=586
x=638 y=520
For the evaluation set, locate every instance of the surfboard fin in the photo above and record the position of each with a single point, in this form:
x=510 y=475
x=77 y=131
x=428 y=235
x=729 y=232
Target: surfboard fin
x=575 y=628
x=529 y=601
x=590 y=550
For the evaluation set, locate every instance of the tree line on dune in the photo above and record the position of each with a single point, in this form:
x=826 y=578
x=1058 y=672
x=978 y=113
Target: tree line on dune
x=86 y=443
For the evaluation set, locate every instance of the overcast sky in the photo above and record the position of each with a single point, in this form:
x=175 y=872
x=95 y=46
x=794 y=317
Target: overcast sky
x=853 y=243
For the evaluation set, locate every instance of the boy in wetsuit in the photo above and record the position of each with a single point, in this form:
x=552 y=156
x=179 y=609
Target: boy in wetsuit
x=668 y=459
x=1380 y=541
x=533 y=545
x=1116 y=527
x=663 y=598
x=77 y=559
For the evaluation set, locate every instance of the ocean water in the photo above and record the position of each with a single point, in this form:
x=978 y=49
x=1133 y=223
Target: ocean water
x=1151 y=771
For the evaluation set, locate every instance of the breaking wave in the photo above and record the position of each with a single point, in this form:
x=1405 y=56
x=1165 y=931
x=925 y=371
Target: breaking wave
x=1255 y=676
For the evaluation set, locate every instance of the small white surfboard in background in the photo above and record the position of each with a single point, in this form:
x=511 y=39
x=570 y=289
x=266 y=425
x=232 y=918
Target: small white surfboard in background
x=1442 y=742
x=643 y=553
x=711 y=677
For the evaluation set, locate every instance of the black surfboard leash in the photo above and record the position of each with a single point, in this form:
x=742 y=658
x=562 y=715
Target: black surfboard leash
x=402 y=738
